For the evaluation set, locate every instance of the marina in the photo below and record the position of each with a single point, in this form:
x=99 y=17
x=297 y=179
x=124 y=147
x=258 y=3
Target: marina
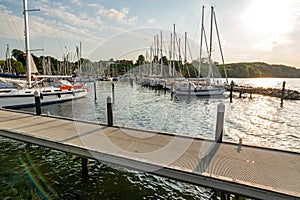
x=144 y=117
x=235 y=168
x=173 y=124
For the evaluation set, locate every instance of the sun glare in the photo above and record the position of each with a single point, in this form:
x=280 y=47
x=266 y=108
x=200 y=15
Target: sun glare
x=269 y=16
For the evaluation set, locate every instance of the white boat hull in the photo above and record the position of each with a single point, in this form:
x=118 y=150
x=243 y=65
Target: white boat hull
x=25 y=98
x=190 y=89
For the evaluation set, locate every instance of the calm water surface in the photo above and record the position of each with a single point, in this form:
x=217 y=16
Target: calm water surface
x=29 y=170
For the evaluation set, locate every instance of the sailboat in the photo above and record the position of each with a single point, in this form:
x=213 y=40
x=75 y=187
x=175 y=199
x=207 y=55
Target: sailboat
x=23 y=94
x=202 y=86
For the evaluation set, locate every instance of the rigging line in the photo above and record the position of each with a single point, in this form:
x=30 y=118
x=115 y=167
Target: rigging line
x=19 y=36
x=217 y=30
x=188 y=44
x=205 y=39
x=196 y=29
x=55 y=30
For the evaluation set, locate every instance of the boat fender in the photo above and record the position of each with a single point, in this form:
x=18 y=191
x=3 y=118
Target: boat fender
x=41 y=96
x=73 y=93
x=59 y=95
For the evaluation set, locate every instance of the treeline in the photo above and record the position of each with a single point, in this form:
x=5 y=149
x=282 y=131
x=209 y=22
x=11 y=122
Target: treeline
x=258 y=69
x=120 y=67
x=17 y=64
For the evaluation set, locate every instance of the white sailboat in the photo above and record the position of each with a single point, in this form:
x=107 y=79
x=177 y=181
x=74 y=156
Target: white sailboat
x=23 y=94
x=202 y=86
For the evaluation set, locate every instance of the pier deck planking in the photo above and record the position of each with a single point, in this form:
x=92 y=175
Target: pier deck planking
x=240 y=169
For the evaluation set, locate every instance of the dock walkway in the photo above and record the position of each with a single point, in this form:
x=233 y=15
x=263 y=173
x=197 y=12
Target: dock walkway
x=240 y=169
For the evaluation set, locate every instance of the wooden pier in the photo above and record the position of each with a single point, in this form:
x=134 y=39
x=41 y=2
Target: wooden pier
x=272 y=92
x=236 y=168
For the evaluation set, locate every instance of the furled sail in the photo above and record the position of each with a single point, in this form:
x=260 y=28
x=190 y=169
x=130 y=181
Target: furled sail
x=33 y=68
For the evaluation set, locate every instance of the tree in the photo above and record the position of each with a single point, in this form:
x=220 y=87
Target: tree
x=17 y=67
x=164 y=60
x=19 y=56
x=140 y=60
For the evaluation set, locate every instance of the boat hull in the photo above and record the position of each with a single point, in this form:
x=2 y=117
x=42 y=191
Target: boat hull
x=26 y=99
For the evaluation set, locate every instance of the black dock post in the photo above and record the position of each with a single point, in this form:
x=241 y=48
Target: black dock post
x=131 y=82
x=190 y=88
x=113 y=91
x=37 y=101
x=220 y=123
x=282 y=93
x=109 y=111
x=84 y=167
x=95 y=90
x=231 y=90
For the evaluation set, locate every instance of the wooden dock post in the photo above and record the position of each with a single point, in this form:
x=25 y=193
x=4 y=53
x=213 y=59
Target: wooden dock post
x=220 y=122
x=109 y=111
x=282 y=93
x=95 y=90
x=231 y=90
x=37 y=101
x=241 y=92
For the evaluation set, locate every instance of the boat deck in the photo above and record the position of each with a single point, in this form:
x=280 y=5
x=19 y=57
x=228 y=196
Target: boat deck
x=240 y=169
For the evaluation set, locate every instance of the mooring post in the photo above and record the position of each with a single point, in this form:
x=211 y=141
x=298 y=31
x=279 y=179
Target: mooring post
x=172 y=89
x=190 y=88
x=109 y=111
x=282 y=93
x=95 y=90
x=113 y=91
x=231 y=90
x=220 y=122
x=131 y=82
x=84 y=167
x=37 y=101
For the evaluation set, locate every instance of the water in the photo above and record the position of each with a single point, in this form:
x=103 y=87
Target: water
x=29 y=170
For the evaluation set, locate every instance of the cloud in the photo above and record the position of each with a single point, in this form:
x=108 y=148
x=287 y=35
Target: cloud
x=118 y=15
x=151 y=21
x=77 y=2
x=272 y=42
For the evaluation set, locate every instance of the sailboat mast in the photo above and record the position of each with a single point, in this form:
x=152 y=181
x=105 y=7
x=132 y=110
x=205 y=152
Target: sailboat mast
x=174 y=39
x=161 y=53
x=220 y=47
x=210 y=44
x=27 y=45
x=201 y=39
x=211 y=30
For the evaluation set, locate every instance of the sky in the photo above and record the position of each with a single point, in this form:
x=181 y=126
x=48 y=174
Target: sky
x=249 y=30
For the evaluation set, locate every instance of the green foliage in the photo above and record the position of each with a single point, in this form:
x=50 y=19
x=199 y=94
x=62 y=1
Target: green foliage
x=18 y=55
x=189 y=70
x=164 y=60
x=140 y=60
x=258 y=69
x=17 y=67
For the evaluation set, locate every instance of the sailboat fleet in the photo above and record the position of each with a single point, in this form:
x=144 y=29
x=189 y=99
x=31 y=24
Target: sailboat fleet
x=22 y=94
x=206 y=86
x=203 y=86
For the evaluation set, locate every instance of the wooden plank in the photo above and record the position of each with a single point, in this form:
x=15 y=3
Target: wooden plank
x=247 y=170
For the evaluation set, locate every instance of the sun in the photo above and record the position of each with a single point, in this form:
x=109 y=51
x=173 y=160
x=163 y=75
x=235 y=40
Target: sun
x=270 y=17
